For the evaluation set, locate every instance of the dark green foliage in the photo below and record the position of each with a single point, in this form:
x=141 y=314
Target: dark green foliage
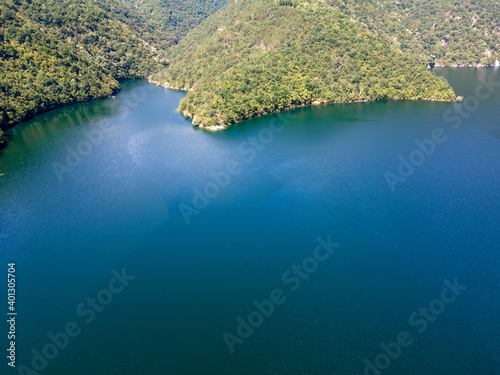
x=59 y=52
x=260 y=56
x=175 y=17
x=56 y=52
x=445 y=32
x=252 y=57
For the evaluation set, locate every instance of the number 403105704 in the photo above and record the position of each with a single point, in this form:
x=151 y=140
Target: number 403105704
x=11 y=279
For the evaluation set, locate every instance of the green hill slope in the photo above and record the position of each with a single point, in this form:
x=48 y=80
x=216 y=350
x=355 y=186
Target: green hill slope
x=260 y=56
x=250 y=57
x=59 y=52
x=445 y=32
x=174 y=18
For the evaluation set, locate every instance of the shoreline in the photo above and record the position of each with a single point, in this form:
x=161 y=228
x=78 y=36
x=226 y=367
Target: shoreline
x=496 y=65
x=166 y=85
x=306 y=104
x=4 y=139
x=219 y=127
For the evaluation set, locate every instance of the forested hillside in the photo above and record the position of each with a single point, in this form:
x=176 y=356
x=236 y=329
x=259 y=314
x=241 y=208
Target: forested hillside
x=175 y=17
x=251 y=57
x=261 y=56
x=445 y=32
x=58 y=52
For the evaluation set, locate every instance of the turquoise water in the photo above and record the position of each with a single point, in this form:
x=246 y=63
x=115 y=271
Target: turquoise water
x=110 y=184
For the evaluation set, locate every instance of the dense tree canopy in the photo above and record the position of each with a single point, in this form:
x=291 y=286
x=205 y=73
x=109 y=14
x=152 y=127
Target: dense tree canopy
x=175 y=17
x=445 y=32
x=56 y=52
x=251 y=57
x=260 y=56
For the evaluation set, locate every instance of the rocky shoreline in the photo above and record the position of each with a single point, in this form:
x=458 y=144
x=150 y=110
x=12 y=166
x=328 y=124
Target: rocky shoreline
x=166 y=85
x=496 y=65
x=314 y=102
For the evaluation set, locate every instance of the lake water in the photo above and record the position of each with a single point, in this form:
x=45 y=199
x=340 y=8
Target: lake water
x=110 y=184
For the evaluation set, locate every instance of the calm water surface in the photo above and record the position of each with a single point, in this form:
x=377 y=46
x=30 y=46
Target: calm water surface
x=71 y=211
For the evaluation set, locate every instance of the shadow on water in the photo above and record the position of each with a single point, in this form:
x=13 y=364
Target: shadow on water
x=37 y=130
